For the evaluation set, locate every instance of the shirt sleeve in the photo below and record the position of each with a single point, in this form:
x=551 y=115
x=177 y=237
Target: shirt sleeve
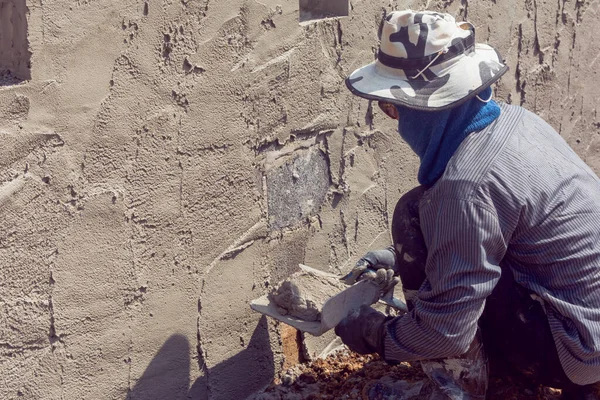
x=465 y=246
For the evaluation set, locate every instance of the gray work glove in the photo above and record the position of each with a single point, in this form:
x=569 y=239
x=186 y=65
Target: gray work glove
x=376 y=266
x=362 y=330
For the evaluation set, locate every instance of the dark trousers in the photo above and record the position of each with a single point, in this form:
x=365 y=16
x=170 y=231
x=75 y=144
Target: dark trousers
x=514 y=328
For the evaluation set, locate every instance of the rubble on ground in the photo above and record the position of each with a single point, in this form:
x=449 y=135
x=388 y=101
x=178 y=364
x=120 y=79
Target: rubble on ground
x=345 y=375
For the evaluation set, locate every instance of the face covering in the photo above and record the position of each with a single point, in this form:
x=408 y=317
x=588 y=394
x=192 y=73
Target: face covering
x=435 y=136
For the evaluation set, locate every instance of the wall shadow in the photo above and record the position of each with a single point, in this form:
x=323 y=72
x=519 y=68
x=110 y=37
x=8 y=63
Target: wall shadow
x=15 y=57
x=319 y=9
x=167 y=375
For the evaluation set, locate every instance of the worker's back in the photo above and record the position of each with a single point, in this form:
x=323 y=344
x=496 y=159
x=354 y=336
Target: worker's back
x=547 y=203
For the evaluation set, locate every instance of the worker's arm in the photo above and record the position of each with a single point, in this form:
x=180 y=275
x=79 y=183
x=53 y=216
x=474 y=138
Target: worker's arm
x=465 y=246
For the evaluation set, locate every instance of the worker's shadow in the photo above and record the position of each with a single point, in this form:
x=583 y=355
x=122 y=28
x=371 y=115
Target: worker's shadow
x=168 y=375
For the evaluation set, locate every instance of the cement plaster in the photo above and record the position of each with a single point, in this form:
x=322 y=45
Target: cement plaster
x=134 y=165
x=303 y=294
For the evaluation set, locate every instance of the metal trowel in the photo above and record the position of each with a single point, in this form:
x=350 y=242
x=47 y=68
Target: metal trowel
x=334 y=310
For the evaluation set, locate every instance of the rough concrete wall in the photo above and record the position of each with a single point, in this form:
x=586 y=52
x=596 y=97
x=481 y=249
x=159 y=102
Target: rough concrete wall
x=145 y=166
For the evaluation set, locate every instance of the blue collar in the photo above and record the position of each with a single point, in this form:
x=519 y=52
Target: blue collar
x=435 y=136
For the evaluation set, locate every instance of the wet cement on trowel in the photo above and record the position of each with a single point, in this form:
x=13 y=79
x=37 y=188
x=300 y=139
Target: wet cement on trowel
x=303 y=294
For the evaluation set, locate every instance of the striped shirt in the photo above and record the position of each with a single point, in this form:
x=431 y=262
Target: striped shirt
x=514 y=195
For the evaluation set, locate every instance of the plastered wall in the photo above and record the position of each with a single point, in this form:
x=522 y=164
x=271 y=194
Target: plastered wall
x=168 y=161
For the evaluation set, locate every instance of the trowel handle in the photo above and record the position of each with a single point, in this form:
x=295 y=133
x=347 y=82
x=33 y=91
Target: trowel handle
x=389 y=299
x=388 y=296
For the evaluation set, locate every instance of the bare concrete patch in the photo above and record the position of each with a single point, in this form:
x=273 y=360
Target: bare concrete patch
x=319 y=9
x=297 y=189
x=15 y=64
x=303 y=294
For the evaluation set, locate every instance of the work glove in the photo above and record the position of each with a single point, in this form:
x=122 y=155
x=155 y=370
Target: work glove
x=362 y=330
x=376 y=266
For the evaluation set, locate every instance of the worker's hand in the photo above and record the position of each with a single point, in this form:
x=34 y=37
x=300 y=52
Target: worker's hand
x=376 y=266
x=362 y=330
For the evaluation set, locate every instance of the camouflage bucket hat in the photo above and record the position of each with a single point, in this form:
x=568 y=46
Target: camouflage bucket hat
x=427 y=61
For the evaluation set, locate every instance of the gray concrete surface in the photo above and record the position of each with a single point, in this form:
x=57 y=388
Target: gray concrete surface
x=135 y=165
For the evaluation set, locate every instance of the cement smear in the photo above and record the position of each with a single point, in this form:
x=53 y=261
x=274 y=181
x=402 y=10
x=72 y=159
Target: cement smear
x=303 y=294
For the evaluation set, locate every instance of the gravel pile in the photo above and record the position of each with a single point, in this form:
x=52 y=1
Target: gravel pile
x=346 y=375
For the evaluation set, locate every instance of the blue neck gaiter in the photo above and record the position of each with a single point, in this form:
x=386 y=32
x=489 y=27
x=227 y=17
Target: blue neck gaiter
x=435 y=136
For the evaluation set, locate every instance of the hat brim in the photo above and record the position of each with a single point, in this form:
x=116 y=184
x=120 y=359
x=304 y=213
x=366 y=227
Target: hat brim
x=454 y=82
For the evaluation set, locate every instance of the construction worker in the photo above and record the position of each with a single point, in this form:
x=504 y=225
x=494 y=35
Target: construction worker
x=498 y=250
